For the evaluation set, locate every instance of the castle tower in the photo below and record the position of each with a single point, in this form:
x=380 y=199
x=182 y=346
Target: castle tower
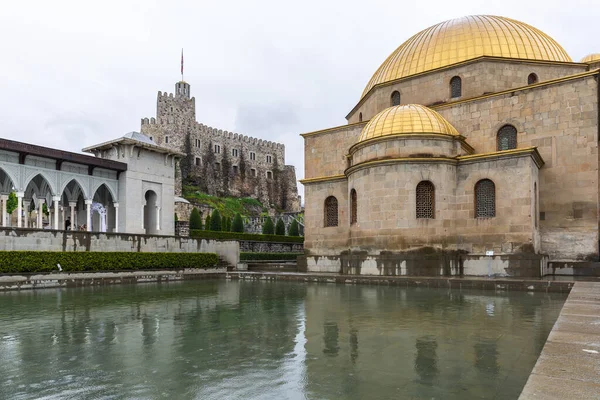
x=182 y=89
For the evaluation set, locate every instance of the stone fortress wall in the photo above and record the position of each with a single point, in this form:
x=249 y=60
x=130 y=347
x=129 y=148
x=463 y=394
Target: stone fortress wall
x=220 y=162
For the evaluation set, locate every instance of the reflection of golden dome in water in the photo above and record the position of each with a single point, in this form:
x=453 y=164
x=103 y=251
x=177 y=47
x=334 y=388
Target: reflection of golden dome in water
x=406 y=119
x=466 y=38
x=591 y=58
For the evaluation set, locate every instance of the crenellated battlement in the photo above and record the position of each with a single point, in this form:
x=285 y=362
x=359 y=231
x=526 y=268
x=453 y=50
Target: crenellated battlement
x=219 y=133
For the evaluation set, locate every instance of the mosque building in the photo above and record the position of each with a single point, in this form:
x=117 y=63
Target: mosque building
x=473 y=150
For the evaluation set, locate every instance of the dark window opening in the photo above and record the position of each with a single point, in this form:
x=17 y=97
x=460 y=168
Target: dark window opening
x=353 y=207
x=331 y=211
x=425 y=200
x=507 y=138
x=485 y=199
x=455 y=87
x=360 y=117
x=396 y=98
x=532 y=78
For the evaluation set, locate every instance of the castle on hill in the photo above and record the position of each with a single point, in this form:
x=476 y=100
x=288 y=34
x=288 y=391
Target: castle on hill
x=219 y=162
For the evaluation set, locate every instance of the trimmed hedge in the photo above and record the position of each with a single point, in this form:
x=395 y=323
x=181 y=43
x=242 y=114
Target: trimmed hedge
x=244 y=236
x=45 y=261
x=247 y=256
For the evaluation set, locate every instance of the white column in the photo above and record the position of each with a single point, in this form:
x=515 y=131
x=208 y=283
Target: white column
x=40 y=213
x=116 y=205
x=26 y=205
x=56 y=199
x=88 y=211
x=4 y=199
x=72 y=204
x=157 y=219
x=20 y=208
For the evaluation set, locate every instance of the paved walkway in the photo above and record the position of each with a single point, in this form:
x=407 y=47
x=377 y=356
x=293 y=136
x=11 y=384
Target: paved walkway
x=569 y=366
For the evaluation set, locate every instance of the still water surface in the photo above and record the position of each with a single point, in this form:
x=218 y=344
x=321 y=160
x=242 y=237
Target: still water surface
x=265 y=340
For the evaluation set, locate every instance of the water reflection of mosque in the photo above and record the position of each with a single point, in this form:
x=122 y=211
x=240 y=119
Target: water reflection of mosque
x=407 y=341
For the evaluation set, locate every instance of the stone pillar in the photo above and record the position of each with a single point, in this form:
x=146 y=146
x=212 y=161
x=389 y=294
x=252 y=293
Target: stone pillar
x=20 y=196
x=157 y=219
x=40 y=213
x=26 y=205
x=72 y=204
x=4 y=199
x=88 y=215
x=56 y=199
x=116 y=205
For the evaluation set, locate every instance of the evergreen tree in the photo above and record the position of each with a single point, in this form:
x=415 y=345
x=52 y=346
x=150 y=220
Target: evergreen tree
x=228 y=224
x=207 y=223
x=215 y=221
x=12 y=203
x=293 y=231
x=237 y=225
x=268 y=228
x=195 y=219
x=280 y=227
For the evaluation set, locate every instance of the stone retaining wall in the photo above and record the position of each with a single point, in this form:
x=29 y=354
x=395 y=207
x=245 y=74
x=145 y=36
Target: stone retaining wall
x=270 y=247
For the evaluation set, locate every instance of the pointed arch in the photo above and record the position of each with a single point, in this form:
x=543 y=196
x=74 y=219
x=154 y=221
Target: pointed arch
x=98 y=184
x=44 y=179
x=4 y=174
x=72 y=189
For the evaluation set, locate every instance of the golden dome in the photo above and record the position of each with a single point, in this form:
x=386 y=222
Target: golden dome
x=408 y=118
x=590 y=58
x=463 y=39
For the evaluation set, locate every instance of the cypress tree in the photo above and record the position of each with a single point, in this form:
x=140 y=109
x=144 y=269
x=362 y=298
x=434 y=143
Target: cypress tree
x=207 y=223
x=268 y=228
x=195 y=219
x=293 y=231
x=215 y=221
x=237 y=225
x=227 y=225
x=280 y=227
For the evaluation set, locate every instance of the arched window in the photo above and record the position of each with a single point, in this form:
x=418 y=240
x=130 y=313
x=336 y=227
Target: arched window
x=485 y=199
x=455 y=87
x=353 y=207
x=425 y=200
x=507 y=138
x=396 y=98
x=532 y=78
x=360 y=117
x=331 y=211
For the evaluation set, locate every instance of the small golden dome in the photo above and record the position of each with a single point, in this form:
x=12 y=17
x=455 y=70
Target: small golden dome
x=590 y=58
x=404 y=119
x=463 y=39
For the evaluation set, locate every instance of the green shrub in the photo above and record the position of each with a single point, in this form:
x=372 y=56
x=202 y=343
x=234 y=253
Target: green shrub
x=244 y=236
x=293 y=230
x=247 y=256
x=237 y=225
x=215 y=221
x=207 y=223
x=195 y=219
x=78 y=261
x=268 y=228
x=280 y=227
x=227 y=225
x=12 y=203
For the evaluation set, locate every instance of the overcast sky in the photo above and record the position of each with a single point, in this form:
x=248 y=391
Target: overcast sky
x=76 y=73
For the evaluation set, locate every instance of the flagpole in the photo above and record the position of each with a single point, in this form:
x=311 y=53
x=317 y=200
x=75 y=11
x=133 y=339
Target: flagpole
x=182 y=64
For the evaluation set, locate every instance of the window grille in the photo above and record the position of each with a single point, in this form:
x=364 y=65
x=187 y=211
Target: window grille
x=425 y=200
x=353 y=207
x=455 y=87
x=331 y=211
x=485 y=199
x=396 y=98
x=507 y=138
x=532 y=78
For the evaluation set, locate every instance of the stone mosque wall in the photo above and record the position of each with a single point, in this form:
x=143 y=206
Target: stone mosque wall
x=219 y=162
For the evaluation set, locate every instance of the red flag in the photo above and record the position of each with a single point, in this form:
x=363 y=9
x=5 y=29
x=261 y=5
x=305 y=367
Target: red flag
x=181 y=63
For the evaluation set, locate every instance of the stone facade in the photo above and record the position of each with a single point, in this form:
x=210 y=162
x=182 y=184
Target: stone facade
x=546 y=186
x=219 y=162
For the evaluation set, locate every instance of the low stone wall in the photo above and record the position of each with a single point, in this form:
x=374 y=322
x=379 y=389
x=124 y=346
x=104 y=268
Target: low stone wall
x=51 y=240
x=572 y=268
x=63 y=280
x=429 y=262
x=270 y=247
x=496 y=284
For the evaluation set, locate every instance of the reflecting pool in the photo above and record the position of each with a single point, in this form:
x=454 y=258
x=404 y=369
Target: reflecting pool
x=270 y=340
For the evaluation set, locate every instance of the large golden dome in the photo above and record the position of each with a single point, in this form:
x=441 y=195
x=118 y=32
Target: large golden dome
x=406 y=119
x=463 y=39
x=591 y=58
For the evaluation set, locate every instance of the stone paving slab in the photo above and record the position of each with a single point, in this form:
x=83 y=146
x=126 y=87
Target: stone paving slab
x=569 y=365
